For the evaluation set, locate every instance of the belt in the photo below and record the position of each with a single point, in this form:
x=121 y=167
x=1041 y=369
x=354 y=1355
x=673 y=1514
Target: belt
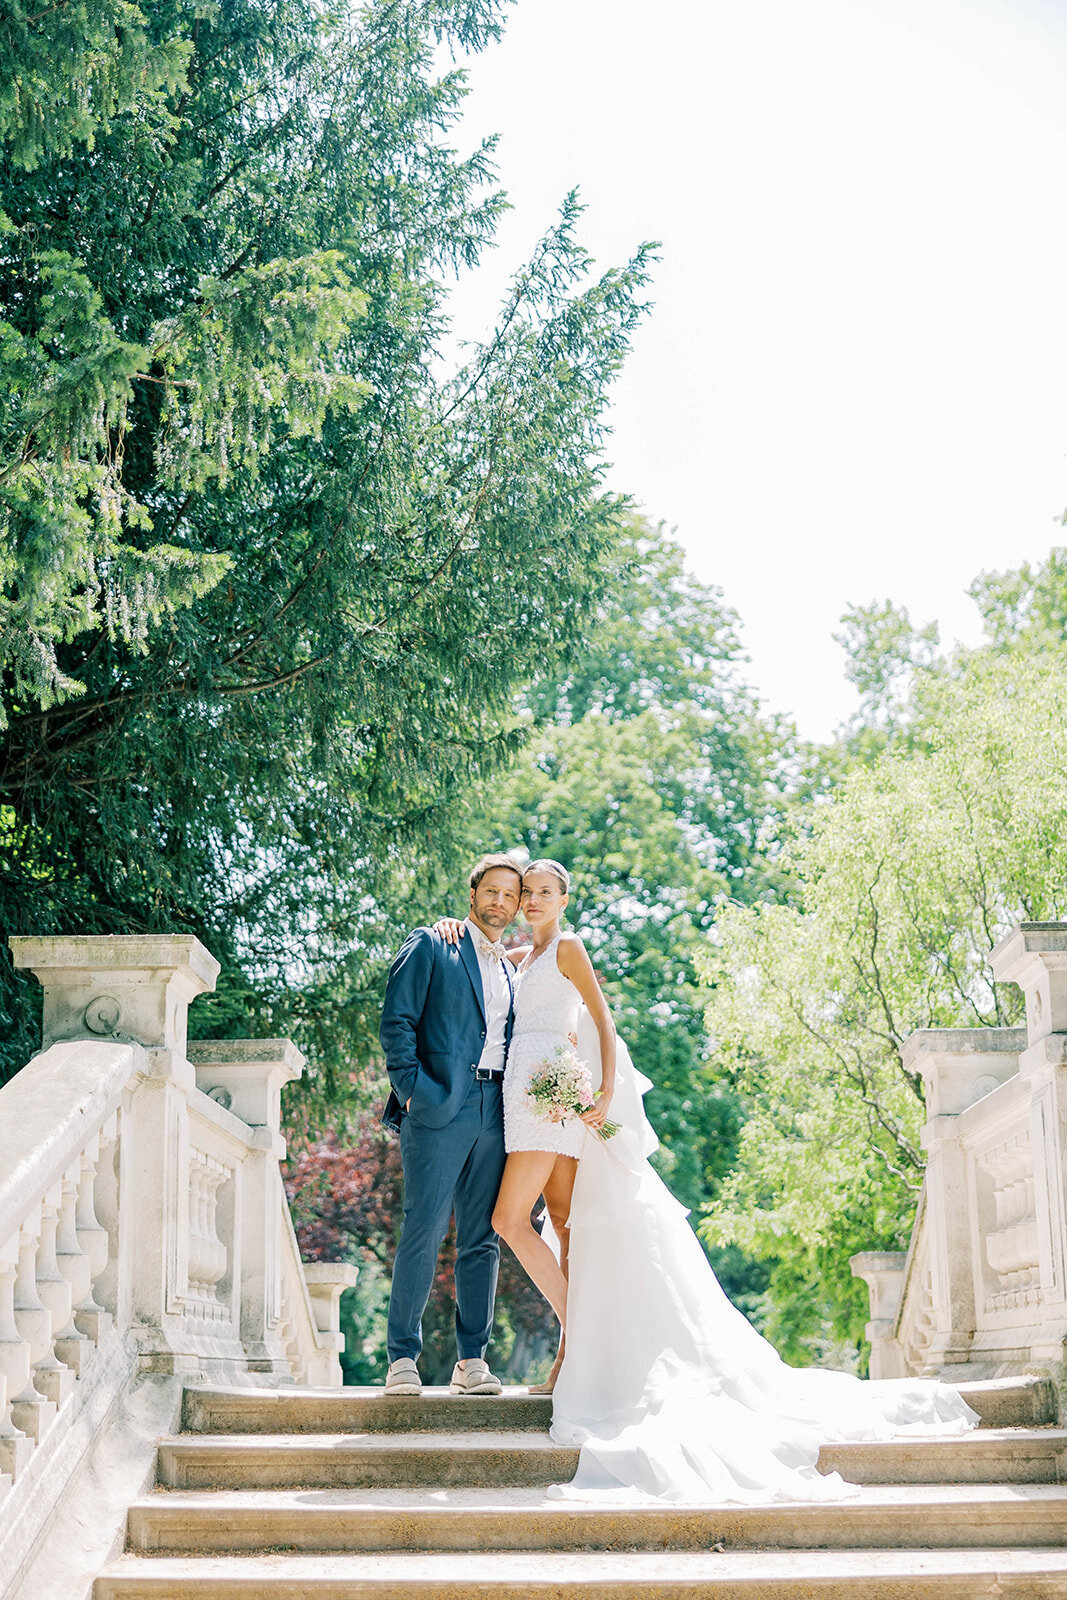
x=489 y=1074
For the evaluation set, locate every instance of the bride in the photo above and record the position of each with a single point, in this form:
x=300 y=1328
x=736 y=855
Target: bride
x=669 y=1391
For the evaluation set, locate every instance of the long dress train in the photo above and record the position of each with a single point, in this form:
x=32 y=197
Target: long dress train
x=669 y=1391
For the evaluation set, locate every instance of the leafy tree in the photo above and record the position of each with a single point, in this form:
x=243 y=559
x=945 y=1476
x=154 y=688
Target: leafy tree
x=884 y=654
x=262 y=563
x=1025 y=608
x=926 y=853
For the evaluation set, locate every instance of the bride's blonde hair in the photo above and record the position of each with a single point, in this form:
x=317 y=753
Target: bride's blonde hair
x=547 y=865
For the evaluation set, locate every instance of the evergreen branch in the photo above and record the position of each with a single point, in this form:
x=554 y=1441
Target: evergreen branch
x=255 y=146
x=287 y=604
x=40 y=15
x=179 y=112
x=166 y=383
x=279 y=681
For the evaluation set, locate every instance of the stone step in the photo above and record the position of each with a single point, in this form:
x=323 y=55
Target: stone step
x=957 y=1516
x=530 y=1460
x=364 y=1461
x=969 y=1574
x=1027 y=1402
x=213 y=1409
x=989 y=1455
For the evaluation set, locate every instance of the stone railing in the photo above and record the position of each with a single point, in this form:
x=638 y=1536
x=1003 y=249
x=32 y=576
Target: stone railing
x=982 y=1290
x=144 y=1229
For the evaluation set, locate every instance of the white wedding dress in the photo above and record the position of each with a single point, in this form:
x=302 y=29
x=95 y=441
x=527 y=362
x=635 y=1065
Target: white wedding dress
x=546 y=1014
x=669 y=1391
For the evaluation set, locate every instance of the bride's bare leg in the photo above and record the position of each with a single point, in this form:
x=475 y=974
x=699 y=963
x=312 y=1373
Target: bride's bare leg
x=557 y=1192
x=526 y=1174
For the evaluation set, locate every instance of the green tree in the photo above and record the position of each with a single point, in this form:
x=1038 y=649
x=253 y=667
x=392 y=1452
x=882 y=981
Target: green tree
x=923 y=856
x=262 y=563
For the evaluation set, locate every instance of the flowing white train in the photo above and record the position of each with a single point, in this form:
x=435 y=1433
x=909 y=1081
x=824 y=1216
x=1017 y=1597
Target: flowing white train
x=668 y=1389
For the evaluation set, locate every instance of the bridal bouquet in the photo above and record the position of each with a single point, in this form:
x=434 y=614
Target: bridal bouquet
x=561 y=1087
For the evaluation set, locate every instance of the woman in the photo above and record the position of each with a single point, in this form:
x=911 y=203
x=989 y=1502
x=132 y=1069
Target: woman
x=555 y=977
x=669 y=1391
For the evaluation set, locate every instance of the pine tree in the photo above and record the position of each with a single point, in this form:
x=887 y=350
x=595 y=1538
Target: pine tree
x=264 y=561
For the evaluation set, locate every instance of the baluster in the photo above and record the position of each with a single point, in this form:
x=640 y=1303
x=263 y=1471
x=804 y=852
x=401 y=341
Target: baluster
x=71 y=1345
x=289 y=1334
x=89 y=1316
x=15 y=1446
x=217 y=1251
x=32 y=1409
x=5 y=1477
x=197 y=1241
x=52 y=1377
x=207 y=1252
x=103 y=1202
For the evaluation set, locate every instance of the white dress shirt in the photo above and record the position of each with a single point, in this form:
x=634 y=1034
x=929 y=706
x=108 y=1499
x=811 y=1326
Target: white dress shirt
x=496 y=993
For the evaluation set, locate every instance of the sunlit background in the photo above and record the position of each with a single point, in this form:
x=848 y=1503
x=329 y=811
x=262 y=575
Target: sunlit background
x=852 y=385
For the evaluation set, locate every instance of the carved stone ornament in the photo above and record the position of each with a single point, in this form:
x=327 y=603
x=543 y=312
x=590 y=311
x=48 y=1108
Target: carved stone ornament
x=103 y=1014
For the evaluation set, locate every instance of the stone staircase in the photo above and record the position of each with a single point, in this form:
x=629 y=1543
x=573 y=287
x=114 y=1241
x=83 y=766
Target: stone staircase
x=338 y=1494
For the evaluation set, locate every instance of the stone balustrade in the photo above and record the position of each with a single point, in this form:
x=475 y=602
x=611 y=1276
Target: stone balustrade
x=982 y=1292
x=144 y=1228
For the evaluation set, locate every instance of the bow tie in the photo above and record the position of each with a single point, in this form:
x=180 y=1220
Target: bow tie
x=487 y=948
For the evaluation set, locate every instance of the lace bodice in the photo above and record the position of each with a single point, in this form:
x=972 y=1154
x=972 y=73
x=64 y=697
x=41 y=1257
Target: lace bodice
x=546 y=1002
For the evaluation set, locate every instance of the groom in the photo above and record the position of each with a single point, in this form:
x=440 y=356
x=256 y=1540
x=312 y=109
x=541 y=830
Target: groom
x=446 y=1026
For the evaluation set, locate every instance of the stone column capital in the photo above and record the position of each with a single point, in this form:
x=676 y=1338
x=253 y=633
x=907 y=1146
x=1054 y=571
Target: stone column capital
x=961 y=1065
x=247 y=1075
x=132 y=988
x=1034 y=955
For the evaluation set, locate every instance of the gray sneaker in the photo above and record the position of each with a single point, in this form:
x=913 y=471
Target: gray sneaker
x=474 y=1378
x=403 y=1377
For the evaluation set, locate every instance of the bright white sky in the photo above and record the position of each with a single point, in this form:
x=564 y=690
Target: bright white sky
x=853 y=384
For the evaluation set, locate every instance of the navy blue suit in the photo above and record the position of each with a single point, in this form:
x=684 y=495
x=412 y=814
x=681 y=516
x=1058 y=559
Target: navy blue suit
x=451 y=1139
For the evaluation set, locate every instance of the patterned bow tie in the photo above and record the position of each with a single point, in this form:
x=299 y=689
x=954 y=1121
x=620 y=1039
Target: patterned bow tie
x=487 y=948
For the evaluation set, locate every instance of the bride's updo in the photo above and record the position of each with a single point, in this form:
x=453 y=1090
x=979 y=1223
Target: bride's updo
x=547 y=865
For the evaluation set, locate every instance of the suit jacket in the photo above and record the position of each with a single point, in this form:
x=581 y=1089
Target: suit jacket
x=433 y=1027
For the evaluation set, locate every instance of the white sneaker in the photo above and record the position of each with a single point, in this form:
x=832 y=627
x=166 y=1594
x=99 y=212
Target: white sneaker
x=474 y=1378
x=403 y=1377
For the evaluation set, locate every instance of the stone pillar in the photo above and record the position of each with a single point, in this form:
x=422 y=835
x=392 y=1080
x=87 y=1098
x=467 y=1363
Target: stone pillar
x=883 y=1273
x=246 y=1077
x=134 y=988
x=138 y=989
x=327 y=1281
x=1034 y=955
x=959 y=1066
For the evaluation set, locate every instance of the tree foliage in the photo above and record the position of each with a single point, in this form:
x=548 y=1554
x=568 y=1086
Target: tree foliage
x=262 y=559
x=938 y=839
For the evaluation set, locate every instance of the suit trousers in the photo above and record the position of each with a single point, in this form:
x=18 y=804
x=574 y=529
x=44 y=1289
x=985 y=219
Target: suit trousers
x=457 y=1167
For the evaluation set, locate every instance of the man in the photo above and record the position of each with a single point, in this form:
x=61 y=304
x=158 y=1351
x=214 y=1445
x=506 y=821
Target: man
x=446 y=1026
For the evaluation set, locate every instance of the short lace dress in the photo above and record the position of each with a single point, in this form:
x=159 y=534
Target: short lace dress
x=546 y=1012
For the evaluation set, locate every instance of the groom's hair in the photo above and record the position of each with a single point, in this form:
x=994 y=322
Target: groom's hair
x=488 y=863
